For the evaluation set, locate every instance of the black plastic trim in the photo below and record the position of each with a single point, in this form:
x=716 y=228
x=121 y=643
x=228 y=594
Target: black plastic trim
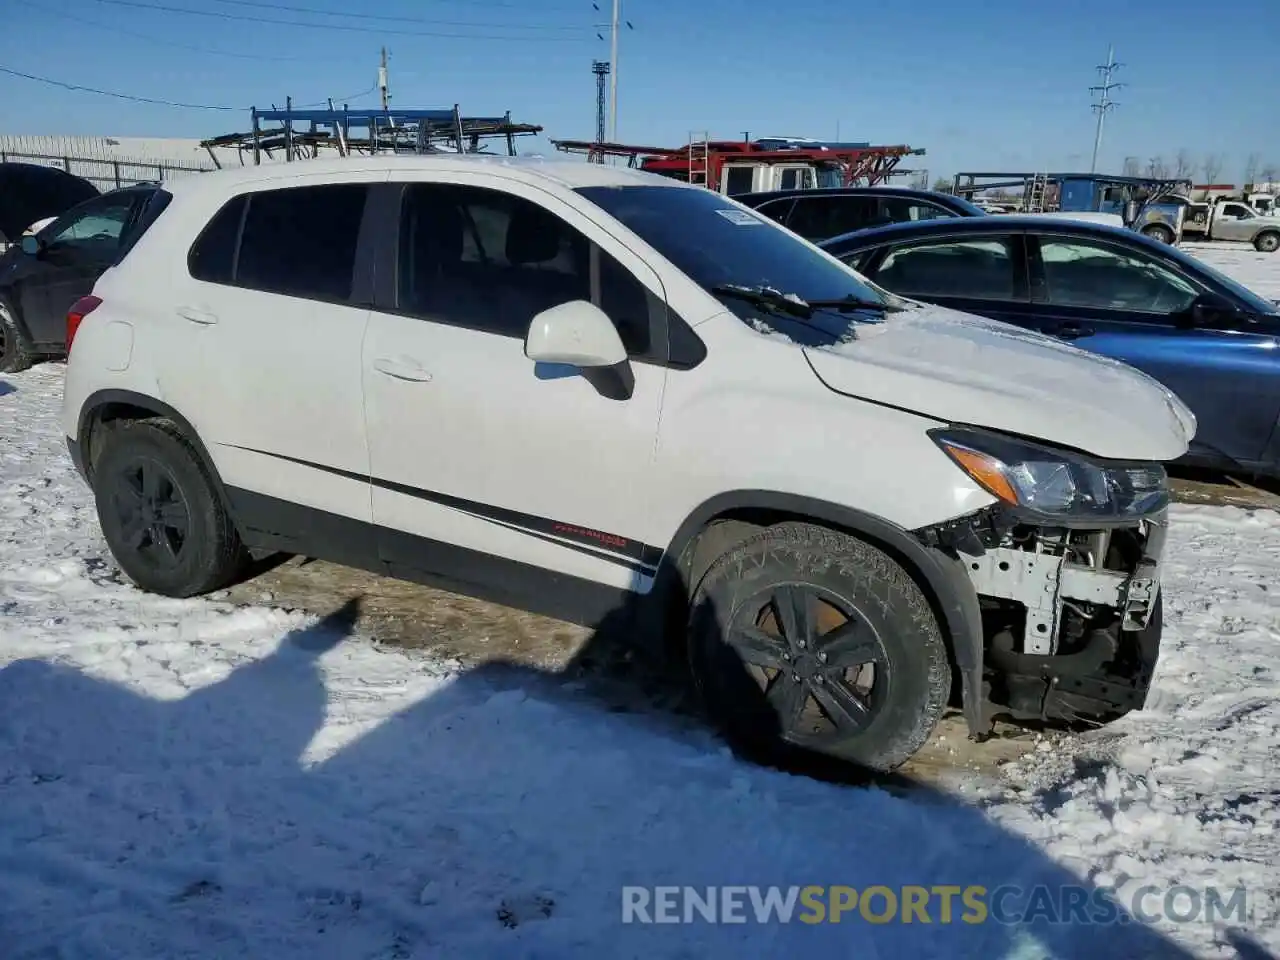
x=631 y=554
x=77 y=459
x=271 y=523
x=102 y=398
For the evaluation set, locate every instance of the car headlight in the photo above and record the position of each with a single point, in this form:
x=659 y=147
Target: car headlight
x=1055 y=484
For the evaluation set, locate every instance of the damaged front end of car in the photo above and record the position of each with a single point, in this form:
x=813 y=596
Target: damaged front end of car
x=1066 y=568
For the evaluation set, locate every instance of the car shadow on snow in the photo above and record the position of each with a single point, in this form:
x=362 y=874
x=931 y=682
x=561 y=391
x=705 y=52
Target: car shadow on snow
x=500 y=816
x=7 y=388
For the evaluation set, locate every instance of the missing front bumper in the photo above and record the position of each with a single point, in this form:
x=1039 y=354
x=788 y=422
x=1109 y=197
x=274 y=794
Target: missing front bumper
x=1071 y=619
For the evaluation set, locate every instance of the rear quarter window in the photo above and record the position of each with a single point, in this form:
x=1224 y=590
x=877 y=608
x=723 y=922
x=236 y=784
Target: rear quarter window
x=212 y=257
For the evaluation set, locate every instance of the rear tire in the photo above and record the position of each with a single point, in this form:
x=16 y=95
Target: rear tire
x=782 y=632
x=1159 y=234
x=15 y=355
x=1267 y=242
x=161 y=512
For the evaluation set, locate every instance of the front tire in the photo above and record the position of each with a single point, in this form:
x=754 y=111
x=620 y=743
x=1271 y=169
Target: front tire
x=161 y=513
x=1159 y=234
x=806 y=640
x=15 y=355
x=1267 y=242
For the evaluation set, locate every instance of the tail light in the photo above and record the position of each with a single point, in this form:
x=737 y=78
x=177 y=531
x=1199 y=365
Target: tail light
x=79 y=310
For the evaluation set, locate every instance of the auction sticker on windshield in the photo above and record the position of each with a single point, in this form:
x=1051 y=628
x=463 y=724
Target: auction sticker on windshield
x=741 y=217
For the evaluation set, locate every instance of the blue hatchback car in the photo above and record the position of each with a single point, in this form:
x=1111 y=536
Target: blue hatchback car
x=1113 y=291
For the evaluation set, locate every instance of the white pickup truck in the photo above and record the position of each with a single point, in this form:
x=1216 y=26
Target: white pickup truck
x=1231 y=220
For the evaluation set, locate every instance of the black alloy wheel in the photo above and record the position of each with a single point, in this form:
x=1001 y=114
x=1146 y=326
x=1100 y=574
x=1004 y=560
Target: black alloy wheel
x=820 y=665
x=154 y=519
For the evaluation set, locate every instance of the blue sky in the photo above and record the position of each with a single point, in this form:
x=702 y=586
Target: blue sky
x=999 y=85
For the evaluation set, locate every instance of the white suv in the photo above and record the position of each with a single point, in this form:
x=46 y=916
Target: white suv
x=587 y=390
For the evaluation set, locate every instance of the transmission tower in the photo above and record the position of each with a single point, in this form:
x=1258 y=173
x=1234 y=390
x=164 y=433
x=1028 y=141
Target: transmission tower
x=613 y=26
x=601 y=69
x=1104 y=104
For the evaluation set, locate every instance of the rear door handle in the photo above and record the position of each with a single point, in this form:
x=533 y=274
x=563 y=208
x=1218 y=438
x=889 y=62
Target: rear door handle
x=195 y=315
x=402 y=370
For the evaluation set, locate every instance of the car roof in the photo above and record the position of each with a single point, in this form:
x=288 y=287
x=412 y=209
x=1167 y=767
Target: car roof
x=999 y=223
x=845 y=191
x=565 y=173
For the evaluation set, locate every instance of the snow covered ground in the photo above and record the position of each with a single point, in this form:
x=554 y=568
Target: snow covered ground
x=1258 y=271
x=192 y=779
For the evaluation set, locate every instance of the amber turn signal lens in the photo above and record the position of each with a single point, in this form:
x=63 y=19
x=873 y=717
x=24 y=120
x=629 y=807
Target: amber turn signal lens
x=986 y=470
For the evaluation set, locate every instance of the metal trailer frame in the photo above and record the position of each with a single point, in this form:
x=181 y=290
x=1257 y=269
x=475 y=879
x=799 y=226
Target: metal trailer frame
x=703 y=162
x=366 y=131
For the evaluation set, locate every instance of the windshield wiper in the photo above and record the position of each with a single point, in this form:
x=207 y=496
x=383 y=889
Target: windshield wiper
x=767 y=297
x=854 y=303
x=789 y=303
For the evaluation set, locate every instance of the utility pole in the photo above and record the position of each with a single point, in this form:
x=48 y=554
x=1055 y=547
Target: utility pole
x=613 y=76
x=1105 y=103
x=382 y=81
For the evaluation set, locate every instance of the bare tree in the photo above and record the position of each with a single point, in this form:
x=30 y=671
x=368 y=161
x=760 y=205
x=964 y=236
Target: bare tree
x=1270 y=173
x=1132 y=167
x=1211 y=165
x=1184 y=165
x=942 y=184
x=1157 y=169
x=1251 y=165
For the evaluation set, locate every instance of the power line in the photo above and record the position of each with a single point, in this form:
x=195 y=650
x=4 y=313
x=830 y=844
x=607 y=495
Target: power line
x=164 y=103
x=165 y=41
x=487 y=4
x=290 y=8
x=119 y=96
x=347 y=28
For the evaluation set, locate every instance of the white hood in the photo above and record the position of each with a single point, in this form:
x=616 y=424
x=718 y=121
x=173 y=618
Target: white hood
x=965 y=369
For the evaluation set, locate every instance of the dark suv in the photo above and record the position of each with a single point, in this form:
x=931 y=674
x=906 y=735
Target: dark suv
x=41 y=277
x=821 y=214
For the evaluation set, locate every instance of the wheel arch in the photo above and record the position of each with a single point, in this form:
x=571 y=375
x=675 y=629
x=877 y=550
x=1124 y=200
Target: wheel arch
x=104 y=406
x=10 y=304
x=942 y=578
x=1266 y=232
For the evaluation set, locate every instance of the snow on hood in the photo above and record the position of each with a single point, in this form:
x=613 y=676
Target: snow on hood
x=965 y=369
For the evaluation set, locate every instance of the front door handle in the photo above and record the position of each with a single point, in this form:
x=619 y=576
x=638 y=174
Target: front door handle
x=196 y=315
x=402 y=370
x=1072 y=330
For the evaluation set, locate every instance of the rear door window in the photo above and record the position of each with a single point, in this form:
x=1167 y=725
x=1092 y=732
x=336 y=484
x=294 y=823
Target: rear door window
x=1081 y=273
x=301 y=241
x=820 y=218
x=905 y=209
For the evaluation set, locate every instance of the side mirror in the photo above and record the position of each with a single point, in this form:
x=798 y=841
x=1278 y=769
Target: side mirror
x=31 y=245
x=1211 y=310
x=580 y=334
